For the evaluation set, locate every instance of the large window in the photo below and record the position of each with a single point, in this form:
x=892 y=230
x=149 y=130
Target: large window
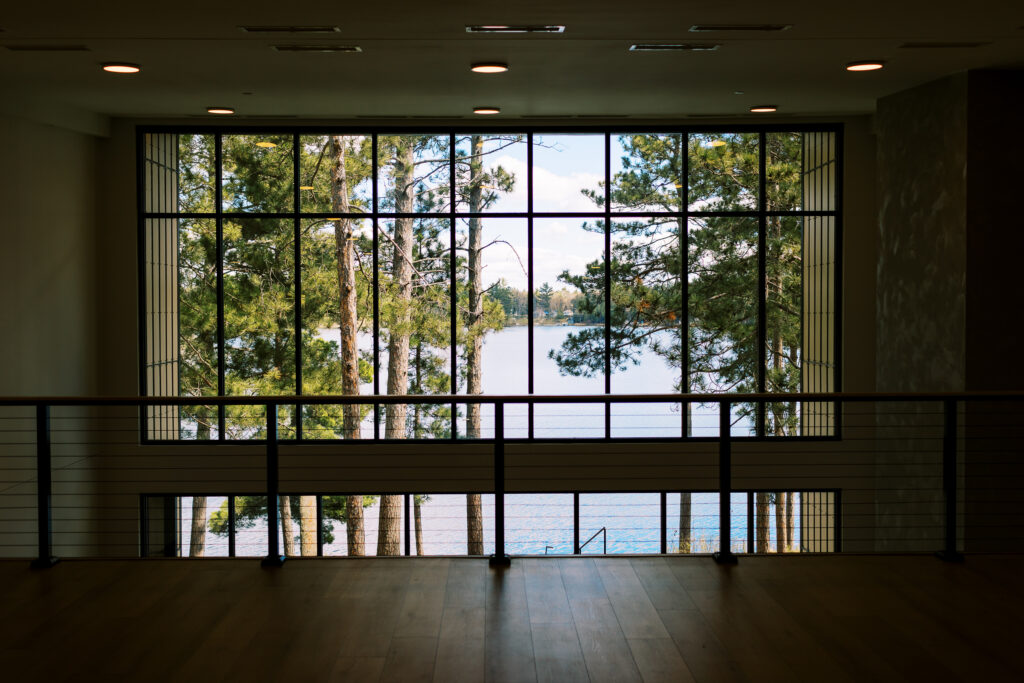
x=417 y=263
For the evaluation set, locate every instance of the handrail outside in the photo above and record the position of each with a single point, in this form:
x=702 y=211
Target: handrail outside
x=386 y=399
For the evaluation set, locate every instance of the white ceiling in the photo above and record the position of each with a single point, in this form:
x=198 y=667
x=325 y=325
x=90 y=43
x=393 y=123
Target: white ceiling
x=416 y=56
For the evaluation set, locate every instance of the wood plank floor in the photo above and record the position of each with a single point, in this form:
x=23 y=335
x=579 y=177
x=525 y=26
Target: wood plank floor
x=849 y=618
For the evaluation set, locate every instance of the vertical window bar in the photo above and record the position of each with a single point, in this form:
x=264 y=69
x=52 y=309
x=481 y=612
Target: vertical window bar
x=231 y=525
x=664 y=522
x=607 y=283
x=452 y=283
x=219 y=210
x=319 y=526
x=684 y=277
x=762 y=276
x=141 y=145
x=297 y=304
x=750 y=522
x=529 y=282
x=376 y=283
x=836 y=271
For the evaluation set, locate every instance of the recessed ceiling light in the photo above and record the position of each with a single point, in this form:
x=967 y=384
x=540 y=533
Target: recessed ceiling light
x=673 y=47
x=220 y=110
x=489 y=68
x=486 y=110
x=121 y=68
x=867 y=65
x=305 y=187
x=706 y=28
x=763 y=109
x=522 y=28
x=266 y=143
x=717 y=143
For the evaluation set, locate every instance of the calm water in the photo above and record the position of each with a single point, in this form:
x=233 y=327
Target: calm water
x=543 y=523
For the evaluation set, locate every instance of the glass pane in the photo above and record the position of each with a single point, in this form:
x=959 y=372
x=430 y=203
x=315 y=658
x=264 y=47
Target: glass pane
x=359 y=534
x=647 y=172
x=693 y=522
x=441 y=524
x=491 y=173
x=258 y=173
x=568 y=333
x=202 y=531
x=297 y=525
x=197 y=174
x=568 y=173
x=335 y=173
x=723 y=293
x=784 y=333
x=415 y=324
x=250 y=526
x=784 y=171
x=197 y=324
x=259 y=316
x=492 y=316
x=337 y=340
x=616 y=523
x=414 y=175
x=538 y=524
x=777 y=515
x=723 y=171
x=647 y=323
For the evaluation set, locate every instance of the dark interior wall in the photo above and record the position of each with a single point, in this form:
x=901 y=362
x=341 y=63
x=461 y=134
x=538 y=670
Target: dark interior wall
x=995 y=235
x=47 y=259
x=922 y=209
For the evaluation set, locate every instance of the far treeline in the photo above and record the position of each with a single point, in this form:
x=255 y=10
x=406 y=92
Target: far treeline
x=716 y=326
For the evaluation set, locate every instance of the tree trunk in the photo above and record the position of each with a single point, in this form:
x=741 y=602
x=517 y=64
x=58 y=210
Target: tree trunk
x=685 y=546
x=197 y=543
x=307 y=525
x=419 y=524
x=780 y=522
x=287 y=526
x=475 y=339
x=388 y=539
x=197 y=539
x=763 y=513
x=344 y=245
x=790 y=545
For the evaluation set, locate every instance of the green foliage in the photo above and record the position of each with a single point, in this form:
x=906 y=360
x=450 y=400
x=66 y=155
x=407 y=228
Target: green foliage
x=646 y=267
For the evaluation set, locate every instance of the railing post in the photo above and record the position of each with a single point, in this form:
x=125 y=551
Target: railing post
x=44 y=509
x=664 y=522
x=499 y=558
x=274 y=557
x=576 y=523
x=724 y=554
x=949 y=438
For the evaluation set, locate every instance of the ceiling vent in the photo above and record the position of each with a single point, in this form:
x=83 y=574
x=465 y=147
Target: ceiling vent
x=317 y=48
x=522 y=28
x=47 y=48
x=762 y=28
x=941 y=45
x=290 y=29
x=673 y=47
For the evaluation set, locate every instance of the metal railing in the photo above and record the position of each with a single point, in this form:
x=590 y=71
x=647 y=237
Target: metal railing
x=973 y=411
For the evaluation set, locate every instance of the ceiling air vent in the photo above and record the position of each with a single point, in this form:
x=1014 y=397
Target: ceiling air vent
x=317 y=48
x=940 y=45
x=522 y=28
x=47 y=48
x=290 y=29
x=707 y=28
x=673 y=47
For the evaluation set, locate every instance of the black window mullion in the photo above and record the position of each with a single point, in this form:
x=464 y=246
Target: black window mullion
x=375 y=171
x=684 y=277
x=452 y=290
x=297 y=268
x=529 y=281
x=221 y=358
x=762 y=267
x=607 y=283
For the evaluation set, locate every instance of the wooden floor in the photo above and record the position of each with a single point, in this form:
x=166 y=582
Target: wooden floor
x=851 y=618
